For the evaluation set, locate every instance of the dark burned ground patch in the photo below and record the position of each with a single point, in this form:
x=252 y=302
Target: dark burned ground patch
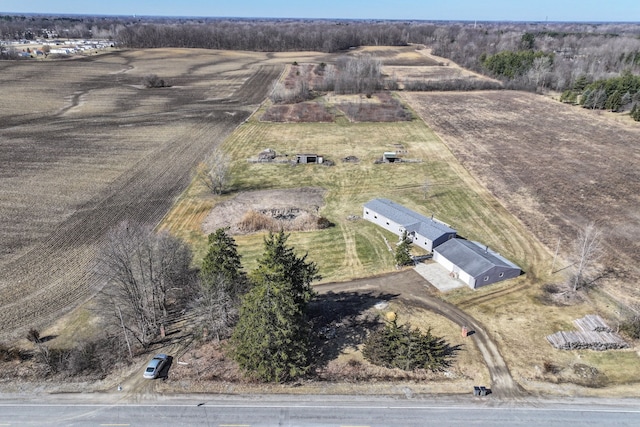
x=386 y=109
x=303 y=112
x=378 y=107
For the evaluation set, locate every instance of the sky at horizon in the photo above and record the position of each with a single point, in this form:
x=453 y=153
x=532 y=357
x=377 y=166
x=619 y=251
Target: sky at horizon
x=464 y=10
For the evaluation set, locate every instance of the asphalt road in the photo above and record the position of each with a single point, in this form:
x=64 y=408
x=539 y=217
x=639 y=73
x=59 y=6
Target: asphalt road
x=317 y=411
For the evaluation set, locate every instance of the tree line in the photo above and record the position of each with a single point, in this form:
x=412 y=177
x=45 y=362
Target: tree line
x=552 y=56
x=524 y=55
x=269 y=35
x=613 y=94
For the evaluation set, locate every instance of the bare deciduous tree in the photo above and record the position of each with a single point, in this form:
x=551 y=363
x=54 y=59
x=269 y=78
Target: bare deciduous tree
x=361 y=74
x=152 y=81
x=587 y=250
x=539 y=69
x=219 y=305
x=215 y=174
x=141 y=270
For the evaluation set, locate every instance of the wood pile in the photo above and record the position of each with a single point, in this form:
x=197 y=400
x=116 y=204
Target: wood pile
x=593 y=334
x=592 y=323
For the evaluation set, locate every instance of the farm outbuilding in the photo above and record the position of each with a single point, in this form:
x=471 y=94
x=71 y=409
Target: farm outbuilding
x=390 y=157
x=424 y=232
x=308 y=158
x=473 y=263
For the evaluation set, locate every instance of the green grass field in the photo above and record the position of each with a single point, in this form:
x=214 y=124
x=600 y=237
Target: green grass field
x=357 y=248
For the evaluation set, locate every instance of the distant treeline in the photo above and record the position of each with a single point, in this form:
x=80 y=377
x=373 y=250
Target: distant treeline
x=273 y=36
x=614 y=94
x=542 y=56
x=530 y=56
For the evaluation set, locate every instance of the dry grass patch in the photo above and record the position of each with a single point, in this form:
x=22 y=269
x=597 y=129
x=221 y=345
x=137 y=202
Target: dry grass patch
x=356 y=248
x=308 y=111
x=567 y=167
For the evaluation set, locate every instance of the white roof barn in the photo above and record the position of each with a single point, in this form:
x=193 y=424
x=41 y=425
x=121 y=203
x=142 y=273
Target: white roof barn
x=473 y=263
x=425 y=232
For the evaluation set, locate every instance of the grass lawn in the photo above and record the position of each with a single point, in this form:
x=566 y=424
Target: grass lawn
x=510 y=311
x=357 y=248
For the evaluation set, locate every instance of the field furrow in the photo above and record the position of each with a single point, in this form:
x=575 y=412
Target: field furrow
x=76 y=172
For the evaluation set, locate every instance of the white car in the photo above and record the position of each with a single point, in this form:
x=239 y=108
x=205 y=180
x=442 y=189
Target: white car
x=155 y=366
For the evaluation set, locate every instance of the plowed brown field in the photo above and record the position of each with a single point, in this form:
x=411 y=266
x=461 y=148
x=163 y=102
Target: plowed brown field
x=83 y=146
x=555 y=166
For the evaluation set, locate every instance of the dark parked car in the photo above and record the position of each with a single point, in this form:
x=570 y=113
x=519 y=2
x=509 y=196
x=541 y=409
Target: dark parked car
x=155 y=366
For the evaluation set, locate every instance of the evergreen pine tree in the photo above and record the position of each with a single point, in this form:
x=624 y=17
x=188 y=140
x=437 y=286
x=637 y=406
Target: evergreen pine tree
x=222 y=258
x=635 y=112
x=271 y=339
x=403 y=251
x=398 y=346
x=223 y=282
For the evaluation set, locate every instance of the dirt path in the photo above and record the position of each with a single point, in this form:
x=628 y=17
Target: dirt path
x=412 y=289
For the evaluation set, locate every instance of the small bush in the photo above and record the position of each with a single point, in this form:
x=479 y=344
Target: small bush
x=399 y=346
x=635 y=112
x=93 y=358
x=551 y=368
x=631 y=327
x=254 y=221
x=9 y=354
x=324 y=223
x=153 y=81
x=33 y=335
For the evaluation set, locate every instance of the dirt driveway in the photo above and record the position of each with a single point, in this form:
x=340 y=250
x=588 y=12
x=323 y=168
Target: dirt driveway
x=414 y=290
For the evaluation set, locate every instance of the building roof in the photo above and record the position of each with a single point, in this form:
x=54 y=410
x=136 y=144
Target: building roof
x=472 y=257
x=410 y=220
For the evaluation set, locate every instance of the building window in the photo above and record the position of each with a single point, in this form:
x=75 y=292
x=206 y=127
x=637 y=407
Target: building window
x=486 y=278
x=387 y=222
x=366 y=212
x=501 y=274
x=375 y=216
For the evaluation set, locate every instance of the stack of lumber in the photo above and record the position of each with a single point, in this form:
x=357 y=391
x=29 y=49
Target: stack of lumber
x=569 y=340
x=592 y=323
x=593 y=334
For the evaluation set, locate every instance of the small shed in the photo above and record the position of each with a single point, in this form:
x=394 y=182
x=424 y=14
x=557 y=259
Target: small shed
x=390 y=157
x=473 y=263
x=308 y=158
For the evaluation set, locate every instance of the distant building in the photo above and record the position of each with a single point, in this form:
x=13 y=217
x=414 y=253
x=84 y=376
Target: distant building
x=308 y=158
x=390 y=157
x=473 y=263
x=424 y=232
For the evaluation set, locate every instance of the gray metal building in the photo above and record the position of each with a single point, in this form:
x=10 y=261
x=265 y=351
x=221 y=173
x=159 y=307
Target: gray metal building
x=425 y=232
x=473 y=263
